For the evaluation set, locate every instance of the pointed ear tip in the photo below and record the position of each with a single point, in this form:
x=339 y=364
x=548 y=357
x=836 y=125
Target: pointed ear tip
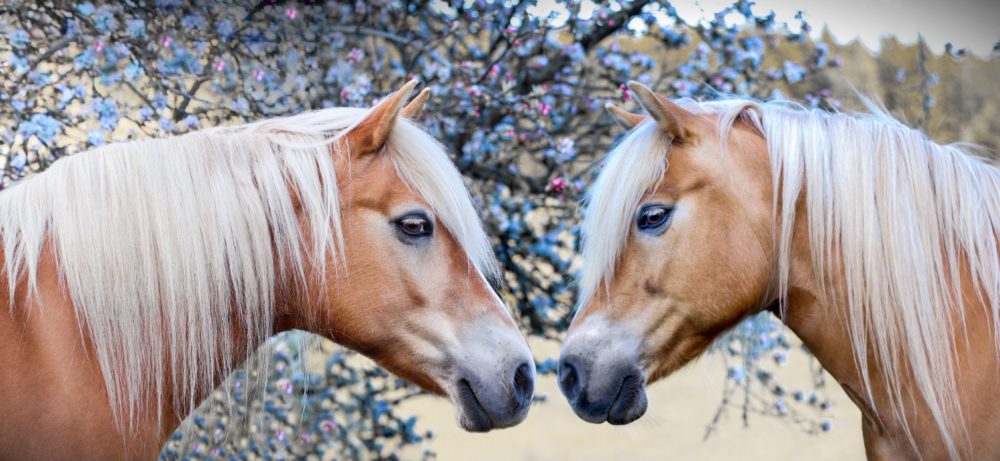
x=614 y=109
x=407 y=88
x=634 y=85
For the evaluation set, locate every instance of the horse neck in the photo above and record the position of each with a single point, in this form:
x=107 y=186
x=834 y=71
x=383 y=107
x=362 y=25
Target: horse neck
x=822 y=326
x=243 y=349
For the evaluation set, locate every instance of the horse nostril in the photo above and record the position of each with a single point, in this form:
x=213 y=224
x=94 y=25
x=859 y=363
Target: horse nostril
x=569 y=379
x=524 y=384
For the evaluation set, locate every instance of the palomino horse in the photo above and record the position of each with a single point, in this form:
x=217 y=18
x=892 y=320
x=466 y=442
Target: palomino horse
x=140 y=273
x=876 y=246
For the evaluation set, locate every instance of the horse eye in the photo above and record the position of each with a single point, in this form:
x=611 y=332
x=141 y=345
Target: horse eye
x=415 y=226
x=653 y=217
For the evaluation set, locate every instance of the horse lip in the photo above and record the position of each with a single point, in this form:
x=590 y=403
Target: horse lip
x=476 y=418
x=628 y=396
x=583 y=408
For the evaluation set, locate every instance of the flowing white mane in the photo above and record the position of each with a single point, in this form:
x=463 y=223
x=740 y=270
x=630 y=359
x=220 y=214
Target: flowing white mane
x=167 y=245
x=898 y=212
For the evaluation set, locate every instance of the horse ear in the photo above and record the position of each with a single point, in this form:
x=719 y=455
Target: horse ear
x=624 y=118
x=371 y=133
x=413 y=110
x=670 y=116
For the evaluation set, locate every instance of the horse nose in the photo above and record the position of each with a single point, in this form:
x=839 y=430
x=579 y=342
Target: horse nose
x=524 y=385
x=570 y=381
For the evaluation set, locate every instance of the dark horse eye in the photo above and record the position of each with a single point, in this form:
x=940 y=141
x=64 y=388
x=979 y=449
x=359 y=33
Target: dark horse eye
x=415 y=226
x=653 y=218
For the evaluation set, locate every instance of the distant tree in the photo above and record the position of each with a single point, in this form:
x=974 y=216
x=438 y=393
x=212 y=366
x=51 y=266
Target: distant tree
x=519 y=90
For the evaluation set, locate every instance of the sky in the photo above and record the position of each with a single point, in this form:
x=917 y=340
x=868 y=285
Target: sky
x=971 y=24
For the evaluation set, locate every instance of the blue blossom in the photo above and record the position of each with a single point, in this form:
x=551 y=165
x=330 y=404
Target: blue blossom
x=19 y=38
x=240 y=105
x=19 y=104
x=133 y=71
x=547 y=366
x=85 y=60
x=85 y=9
x=225 y=28
x=793 y=71
x=48 y=127
x=737 y=373
x=19 y=63
x=190 y=122
x=107 y=112
x=66 y=95
x=135 y=28
x=167 y=125
x=145 y=113
x=19 y=162
x=193 y=21
x=292 y=58
x=95 y=137
x=780 y=407
x=72 y=27
x=104 y=20
x=40 y=78
x=160 y=101
x=43 y=126
x=168 y=5
x=110 y=78
x=566 y=148
x=574 y=51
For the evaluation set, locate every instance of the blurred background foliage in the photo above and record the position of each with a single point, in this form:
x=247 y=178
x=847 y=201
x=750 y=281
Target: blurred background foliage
x=519 y=89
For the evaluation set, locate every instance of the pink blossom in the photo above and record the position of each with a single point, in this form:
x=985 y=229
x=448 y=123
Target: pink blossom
x=557 y=184
x=167 y=41
x=626 y=93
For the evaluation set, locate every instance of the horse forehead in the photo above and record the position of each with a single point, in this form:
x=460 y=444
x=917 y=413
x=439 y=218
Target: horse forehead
x=688 y=164
x=377 y=183
x=705 y=160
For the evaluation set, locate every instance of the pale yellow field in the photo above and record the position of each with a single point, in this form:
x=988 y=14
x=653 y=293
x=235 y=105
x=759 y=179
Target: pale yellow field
x=680 y=407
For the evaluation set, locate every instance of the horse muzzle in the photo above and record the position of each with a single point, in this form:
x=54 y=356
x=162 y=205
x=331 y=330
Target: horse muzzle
x=600 y=375
x=617 y=396
x=486 y=404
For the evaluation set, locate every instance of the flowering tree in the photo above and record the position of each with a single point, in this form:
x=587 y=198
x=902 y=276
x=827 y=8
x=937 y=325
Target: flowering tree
x=518 y=98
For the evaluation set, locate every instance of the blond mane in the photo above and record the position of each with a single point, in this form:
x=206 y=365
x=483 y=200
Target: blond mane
x=166 y=246
x=899 y=212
